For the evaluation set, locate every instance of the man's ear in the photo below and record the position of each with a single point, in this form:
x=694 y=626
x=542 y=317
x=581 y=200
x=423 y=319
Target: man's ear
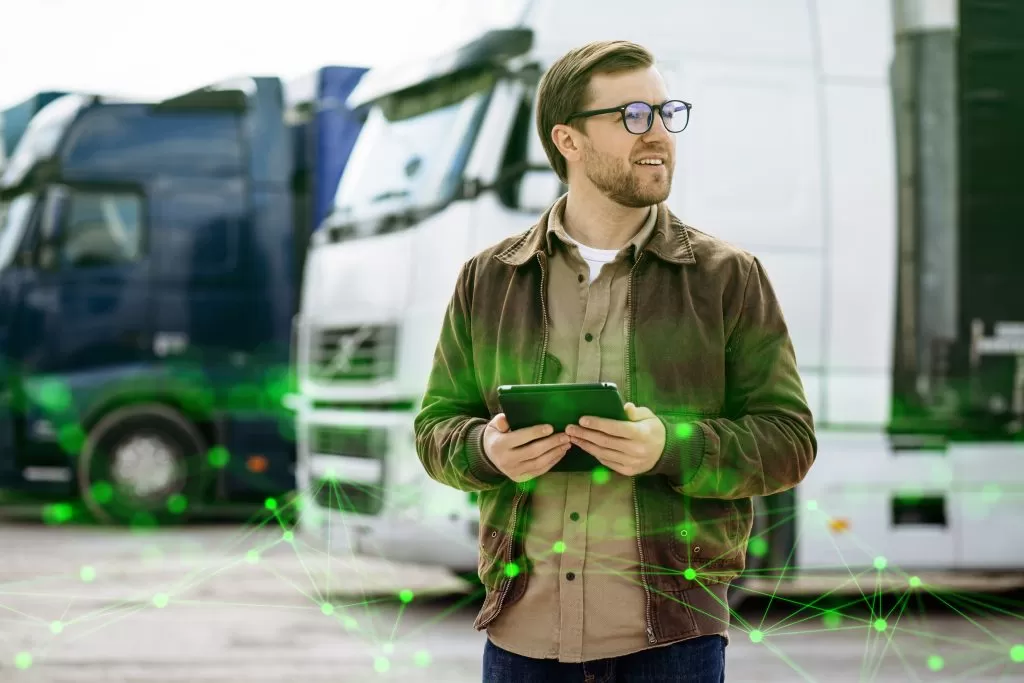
x=568 y=141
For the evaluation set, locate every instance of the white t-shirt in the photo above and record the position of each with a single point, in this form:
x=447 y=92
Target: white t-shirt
x=595 y=258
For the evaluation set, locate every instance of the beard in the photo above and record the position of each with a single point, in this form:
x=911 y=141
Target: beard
x=627 y=186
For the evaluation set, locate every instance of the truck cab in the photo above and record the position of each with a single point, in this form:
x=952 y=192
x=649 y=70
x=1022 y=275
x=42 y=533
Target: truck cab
x=792 y=152
x=149 y=274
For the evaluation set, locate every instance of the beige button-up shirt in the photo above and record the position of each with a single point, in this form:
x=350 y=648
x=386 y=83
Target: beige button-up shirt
x=584 y=599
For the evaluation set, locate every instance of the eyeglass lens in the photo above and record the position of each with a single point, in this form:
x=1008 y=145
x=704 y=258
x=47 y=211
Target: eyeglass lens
x=639 y=117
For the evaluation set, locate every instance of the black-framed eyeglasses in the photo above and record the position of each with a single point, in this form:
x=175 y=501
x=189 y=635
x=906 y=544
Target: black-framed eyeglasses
x=638 y=117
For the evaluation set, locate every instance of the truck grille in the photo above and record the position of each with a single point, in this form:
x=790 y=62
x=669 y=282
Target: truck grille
x=354 y=354
x=352 y=442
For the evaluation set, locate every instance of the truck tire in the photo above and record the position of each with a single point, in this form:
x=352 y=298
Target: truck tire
x=142 y=464
x=755 y=562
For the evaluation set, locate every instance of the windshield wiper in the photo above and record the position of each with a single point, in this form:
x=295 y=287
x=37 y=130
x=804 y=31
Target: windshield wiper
x=390 y=194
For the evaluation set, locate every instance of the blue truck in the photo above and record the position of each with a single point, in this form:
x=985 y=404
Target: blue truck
x=150 y=266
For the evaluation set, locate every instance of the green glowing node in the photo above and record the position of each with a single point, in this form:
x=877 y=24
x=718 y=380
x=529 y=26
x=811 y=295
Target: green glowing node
x=915 y=581
x=991 y=493
x=511 y=570
x=54 y=396
x=56 y=627
x=218 y=457
x=880 y=625
x=601 y=475
x=758 y=547
x=288 y=536
x=936 y=663
x=23 y=660
x=756 y=636
x=349 y=623
x=880 y=563
x=831 y=620
x=252 y=557
x=71 y=438
x=422 y=658
x=405 y=596
x=102 y=492
x=690 y=574
x=388 y=648
x=381 y=664
x=57 y=513
x=812 y=505
x=177 y=503
x=684 y=430
x=327 y=608
x=160 y=600
x=1017 y=653
x=271 y=504
x=87 y=574
x=559 y=547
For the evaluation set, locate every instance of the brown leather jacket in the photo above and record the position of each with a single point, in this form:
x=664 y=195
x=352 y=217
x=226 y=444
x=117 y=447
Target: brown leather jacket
x=707 y=350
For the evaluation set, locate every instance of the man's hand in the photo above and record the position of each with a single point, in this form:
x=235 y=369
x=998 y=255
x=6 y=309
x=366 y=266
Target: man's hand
x=524 y=453
x=628 y=447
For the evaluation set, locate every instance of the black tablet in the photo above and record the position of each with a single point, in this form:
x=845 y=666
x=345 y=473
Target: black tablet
x=561 y=405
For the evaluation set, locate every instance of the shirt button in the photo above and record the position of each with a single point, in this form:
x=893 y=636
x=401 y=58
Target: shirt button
x=570 y=576
x=589 y=337
x=580 y=277
x=574 y=516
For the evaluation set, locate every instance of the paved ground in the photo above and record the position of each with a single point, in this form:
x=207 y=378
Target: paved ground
x=229 y=603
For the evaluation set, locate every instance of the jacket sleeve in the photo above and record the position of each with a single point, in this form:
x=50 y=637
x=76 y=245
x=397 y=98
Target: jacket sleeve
x=450 y=424
x=765 y=442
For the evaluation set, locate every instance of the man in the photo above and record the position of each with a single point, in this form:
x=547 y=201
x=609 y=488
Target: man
x=620 y=573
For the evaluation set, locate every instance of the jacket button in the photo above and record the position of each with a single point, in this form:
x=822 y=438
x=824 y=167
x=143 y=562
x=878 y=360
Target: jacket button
x=696 y=548
x=494 y=534
x=570 y=576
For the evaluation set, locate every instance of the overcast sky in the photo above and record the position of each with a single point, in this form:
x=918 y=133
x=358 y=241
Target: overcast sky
x=152 y=48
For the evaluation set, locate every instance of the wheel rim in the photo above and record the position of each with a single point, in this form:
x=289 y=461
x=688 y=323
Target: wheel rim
x=146 y=467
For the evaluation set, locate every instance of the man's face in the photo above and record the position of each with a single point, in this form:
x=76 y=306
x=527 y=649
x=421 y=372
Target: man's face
x=610 y=156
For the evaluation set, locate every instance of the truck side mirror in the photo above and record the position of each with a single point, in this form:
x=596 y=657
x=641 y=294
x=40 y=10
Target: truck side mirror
x=538 y=190
x=54 y=208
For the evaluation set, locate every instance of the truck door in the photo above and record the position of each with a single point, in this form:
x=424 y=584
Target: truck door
x=90 y=298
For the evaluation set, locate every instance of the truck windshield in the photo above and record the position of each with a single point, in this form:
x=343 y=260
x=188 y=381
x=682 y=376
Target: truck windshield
x=42 y=137
x=14 y=215
x=413 y=148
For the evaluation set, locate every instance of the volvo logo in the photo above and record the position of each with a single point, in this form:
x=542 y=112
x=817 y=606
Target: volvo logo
x=348 y=345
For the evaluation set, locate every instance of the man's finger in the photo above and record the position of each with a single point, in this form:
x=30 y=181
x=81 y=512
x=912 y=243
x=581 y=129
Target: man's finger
x=546 y=461
x=618 y=428
x=537 y=449
x=599 y=452
x=635 y=413
x=518 y=437
x=500 y=422
x=614 y=443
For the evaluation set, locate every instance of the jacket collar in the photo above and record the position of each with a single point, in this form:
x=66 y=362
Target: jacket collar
x=669 y=242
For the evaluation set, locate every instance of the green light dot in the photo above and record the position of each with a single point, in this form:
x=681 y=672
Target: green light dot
x=23 y=660
x=56 y=627
x=381 y=664
x=87 y=574
x=936 y=663
x=218 y=457
x=684 y=430
x=271 y=504
x=327 y=608
x=559 y=547
x=177 y=504
x=102 y=492
x=915 y=581
x=71 y=438
x=53 y=395
x=349 y=623
x=690 y=574
x=511 y=570
x=405 y=596
x=1017 y=653
x=57 y=513
x=758 y=547
x=388 y=648
x=812 y=505
x=880 y=563
x=160 y=600
x=880 y=625
x=601 y=475
x=991 y=493
x=288 y=536
x=422 y=658
x=756 y=636
x=252 y=557
x=831 y=620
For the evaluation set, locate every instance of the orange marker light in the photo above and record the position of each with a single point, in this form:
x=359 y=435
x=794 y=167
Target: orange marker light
x=839 y=525
x=256 y=463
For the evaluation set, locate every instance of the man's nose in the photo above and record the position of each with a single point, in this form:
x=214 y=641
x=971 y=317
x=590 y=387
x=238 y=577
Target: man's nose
x=658 y=130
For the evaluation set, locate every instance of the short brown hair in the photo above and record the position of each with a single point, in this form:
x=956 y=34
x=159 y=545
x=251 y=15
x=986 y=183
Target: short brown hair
x=564 y=89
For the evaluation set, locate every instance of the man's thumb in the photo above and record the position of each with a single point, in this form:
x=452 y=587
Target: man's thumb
x=500 y=422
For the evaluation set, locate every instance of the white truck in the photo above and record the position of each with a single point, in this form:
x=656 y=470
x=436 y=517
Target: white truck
x=820 y=140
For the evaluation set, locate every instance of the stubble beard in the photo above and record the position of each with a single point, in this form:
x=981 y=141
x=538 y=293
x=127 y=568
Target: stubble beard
x=624 y=186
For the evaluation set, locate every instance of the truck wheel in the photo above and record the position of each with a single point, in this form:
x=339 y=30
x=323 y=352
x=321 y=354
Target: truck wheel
x=142 y=464
x=755 y=561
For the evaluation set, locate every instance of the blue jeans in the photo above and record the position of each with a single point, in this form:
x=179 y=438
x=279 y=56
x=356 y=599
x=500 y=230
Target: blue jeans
x=697 y=660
